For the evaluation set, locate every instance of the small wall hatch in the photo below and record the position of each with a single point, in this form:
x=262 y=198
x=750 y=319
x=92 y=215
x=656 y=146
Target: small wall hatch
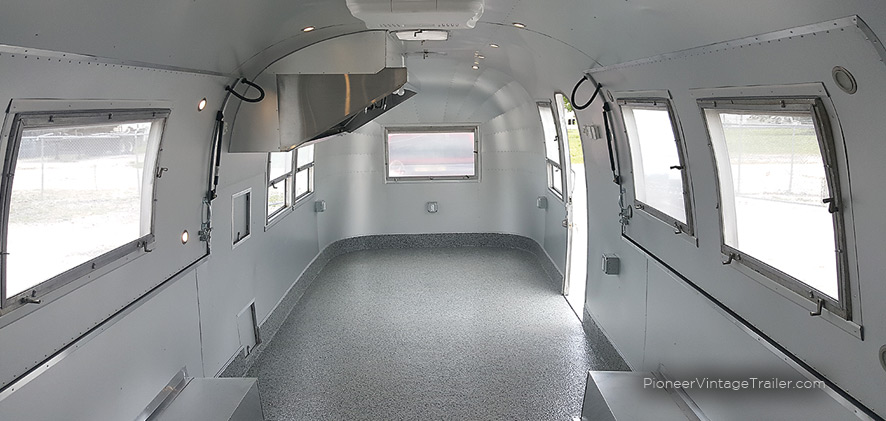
x=241 y=216
x=247 y=329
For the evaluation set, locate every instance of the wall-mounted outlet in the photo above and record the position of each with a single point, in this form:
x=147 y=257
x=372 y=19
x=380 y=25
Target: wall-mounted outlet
x=432 y=207
x=541 y=202
x=611 y=264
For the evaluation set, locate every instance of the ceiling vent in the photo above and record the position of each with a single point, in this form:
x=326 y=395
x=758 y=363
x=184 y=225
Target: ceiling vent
x=417 y=14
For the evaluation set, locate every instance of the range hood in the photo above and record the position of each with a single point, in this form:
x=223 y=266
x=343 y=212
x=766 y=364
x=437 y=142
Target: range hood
x=312 y=107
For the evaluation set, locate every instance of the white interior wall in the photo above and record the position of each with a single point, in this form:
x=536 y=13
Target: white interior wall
x=540 y=65
x=350 y=169
x=848 y=361
x=129 y=363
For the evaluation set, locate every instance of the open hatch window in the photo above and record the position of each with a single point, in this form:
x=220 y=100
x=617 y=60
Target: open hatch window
x=661 y=176
x=78 y=195
x=780 y=202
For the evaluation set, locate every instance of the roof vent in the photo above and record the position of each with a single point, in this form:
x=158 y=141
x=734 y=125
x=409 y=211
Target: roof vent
x=417 y=14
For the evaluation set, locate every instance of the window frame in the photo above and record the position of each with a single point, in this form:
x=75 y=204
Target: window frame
x=40 y=114
x=474 y=128
x=549 y=164
x=273 y=217
x=309 y=167
x=842 y=306
x=660 y=103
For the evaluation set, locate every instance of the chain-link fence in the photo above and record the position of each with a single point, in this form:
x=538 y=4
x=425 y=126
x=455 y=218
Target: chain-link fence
x=776 y=159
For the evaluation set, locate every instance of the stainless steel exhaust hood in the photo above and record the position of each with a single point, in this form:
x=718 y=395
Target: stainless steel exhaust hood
x=314 y=107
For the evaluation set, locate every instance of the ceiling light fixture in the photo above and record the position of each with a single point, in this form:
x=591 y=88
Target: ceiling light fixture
x=422 y=35
x=481 y=56
x=201 y=105
x=493 y=45
x=519 y=25
x=475 y=67
x=308 y=29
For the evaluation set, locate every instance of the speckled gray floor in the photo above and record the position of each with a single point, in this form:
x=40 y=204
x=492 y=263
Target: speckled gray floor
x=413 y=334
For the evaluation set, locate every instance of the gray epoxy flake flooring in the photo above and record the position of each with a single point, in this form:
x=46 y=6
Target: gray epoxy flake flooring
x=437 y=333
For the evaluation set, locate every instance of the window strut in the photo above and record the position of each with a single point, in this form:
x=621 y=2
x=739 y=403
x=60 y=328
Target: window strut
x=609 y=142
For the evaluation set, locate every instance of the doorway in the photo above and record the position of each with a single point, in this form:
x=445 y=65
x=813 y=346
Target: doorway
x=577 y=209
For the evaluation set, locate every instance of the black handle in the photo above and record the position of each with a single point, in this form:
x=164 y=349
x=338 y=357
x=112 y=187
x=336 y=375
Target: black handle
x=261 y=92
x=832 y=204
x=677 y=167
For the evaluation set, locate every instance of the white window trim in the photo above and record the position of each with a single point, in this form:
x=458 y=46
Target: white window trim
x=88 y=111
x=661 y=100
x=462 y=128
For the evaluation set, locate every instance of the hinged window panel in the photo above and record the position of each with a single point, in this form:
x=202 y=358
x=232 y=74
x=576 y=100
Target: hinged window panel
x=779 y=193
x=658 y=160
x=77 y=195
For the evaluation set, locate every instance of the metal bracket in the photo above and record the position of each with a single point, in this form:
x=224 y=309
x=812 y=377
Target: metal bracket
x=677 y=229
x=732 y=257
x=30 y=299
x=160 y=171
x=205 y=232
x=818 y=308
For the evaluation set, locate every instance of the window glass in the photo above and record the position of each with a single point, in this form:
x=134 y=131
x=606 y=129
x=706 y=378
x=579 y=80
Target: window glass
x=79 y=192
x=279 y=183
x=278 y=197
x=552 y=143
x=302 y=183
x=660 y=179
x=549 y=126
x=305 y=156
x=427 y=154
x=281 y=163
x=556 y=181
x=771 y=166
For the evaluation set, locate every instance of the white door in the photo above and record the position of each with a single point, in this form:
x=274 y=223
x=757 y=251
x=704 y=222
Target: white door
x=575 y=196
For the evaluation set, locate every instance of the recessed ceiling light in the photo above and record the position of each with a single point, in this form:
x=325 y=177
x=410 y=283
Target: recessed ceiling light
x=422 y=35
x=481 y=56
x=475 y=67
x=519 y=25
x=185 y=236
x=308 y=29
x=493 y=45
x=201 y=105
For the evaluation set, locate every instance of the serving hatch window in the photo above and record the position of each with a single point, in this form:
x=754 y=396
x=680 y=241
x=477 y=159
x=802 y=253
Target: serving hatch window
x=440 y=153
x=660 y=174
x=779 y=191
x=81 y=195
